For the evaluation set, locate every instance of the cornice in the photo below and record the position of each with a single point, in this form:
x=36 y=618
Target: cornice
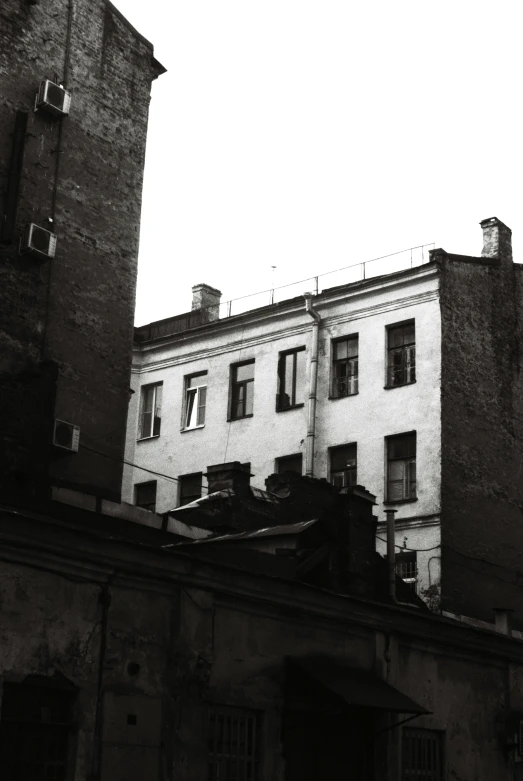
x=276 y=335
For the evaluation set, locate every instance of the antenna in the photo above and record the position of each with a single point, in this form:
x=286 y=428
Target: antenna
x=272 y=283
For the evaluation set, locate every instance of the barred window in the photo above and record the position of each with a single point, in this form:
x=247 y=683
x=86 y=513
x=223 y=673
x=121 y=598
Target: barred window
x=345 y=366
x=233 y=747
x=407 y=567
x=401 y=355
x=421 y=755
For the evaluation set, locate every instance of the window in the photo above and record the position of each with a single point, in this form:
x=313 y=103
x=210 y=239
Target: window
x=145 y=495
x=401 y=358
x=195 y=397
x=150 y=411
x=190 y=487
x=343 y=465
x=233 y=747
x=34 y=732
x=401 y=467
x=407 y=568
x=421 y=755
x=289 y=464
x=242 y=390
x=345 y=367
x=291 y=379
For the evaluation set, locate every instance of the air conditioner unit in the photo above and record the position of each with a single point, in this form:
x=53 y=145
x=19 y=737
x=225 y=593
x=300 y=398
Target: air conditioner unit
x=38 y=241
x=53 y=98
x=66 y=436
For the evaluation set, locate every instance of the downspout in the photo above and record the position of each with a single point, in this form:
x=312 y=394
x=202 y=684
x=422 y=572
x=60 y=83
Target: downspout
x=313 y=386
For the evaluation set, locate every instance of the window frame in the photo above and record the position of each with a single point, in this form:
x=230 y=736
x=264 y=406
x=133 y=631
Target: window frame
x=137 y=486
x=351 y=378
x=408 y=363
x=214 y=756
x=234 y=387
x=155 y=408
x=282 y=372
x=438 y=774
x=407 y=557
x=407 y=478
x=180 y=485
x=196 y=392
x=347 y=471
x=281 y=459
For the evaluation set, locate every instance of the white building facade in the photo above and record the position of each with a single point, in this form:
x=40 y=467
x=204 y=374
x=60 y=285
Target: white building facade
x=247 y=388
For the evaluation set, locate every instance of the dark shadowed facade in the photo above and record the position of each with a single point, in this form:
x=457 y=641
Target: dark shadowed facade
x=66 y=321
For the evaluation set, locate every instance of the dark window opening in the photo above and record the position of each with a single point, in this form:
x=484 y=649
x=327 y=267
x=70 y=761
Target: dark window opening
x=421 y=755
x=343 y=465
x=233 y=746
x=242 y=390
x=145 y=495
x=190 y=488
x=289 y=464
x=35 y=729
x=345 y=367
x=401 y=467
x=401 y=355
x=291 y=378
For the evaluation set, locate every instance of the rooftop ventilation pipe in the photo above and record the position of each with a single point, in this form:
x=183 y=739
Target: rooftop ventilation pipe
x=313 y=386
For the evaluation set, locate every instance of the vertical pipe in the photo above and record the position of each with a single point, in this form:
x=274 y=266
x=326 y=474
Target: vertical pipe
x=313 y=385
x=391 y=553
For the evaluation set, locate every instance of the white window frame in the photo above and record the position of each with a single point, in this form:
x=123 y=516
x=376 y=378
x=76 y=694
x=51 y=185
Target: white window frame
x=196 y=406
x=155 y=409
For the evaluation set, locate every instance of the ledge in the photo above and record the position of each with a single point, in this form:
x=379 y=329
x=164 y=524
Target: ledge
x=293 y=406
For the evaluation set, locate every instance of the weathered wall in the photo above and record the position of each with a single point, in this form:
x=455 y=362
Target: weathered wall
x=161 y=637
x=82 y=178
x=482 y=436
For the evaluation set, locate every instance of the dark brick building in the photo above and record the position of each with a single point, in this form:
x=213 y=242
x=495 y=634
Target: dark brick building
x=66 y=321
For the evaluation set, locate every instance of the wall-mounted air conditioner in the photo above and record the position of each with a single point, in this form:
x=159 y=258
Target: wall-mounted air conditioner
x=53 y=99
x=66 y=436
x=38 y=241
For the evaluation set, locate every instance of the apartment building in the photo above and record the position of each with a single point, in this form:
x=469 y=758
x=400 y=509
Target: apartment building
x=399 y=383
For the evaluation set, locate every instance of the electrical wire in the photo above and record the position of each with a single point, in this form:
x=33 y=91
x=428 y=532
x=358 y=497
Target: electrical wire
x=130 y=463
x=412 y=550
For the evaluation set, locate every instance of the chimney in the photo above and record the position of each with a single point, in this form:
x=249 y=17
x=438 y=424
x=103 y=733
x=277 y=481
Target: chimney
x=231 y=475
x=207 y=299
x=497 y=240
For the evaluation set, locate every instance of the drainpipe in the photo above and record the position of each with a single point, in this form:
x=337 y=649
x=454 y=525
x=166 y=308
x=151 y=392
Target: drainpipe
x=313 y=385
x=391 y=553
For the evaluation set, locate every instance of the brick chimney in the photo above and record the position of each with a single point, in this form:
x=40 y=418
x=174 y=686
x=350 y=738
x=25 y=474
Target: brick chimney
x=206 y=298
x=230 y=475
x=497 y=240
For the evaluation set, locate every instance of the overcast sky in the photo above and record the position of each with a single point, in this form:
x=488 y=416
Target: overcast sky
x=314 y=135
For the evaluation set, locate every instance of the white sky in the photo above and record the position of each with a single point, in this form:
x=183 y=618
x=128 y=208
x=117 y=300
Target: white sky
x=313 y=135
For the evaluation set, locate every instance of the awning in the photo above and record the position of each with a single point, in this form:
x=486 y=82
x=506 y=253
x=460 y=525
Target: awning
x=355 y=687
